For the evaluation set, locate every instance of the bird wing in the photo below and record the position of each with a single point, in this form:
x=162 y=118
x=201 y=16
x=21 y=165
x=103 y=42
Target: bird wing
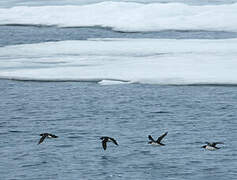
x=104 y=144
x=215 y=143
x=114 y=141
x=150 y=138
x=162 y=136
x=42 y=139
x=53 y=136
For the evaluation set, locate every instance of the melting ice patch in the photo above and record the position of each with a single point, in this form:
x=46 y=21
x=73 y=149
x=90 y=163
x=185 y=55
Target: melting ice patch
x=109 y=61
x=113 y=82
x=127 y=17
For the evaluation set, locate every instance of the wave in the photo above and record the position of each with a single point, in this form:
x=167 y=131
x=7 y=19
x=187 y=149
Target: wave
x=123 y=61
x=126 y=16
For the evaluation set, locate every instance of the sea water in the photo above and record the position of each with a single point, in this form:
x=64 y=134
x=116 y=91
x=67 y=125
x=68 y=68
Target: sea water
x=125 y=69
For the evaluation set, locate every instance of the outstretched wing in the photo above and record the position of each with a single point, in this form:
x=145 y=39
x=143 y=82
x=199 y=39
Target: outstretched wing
x=42 y=139
x=104 y=144
x=150 y=138
x=162 y=136
x=114 y=141
x=53 y=136
x=215 y=143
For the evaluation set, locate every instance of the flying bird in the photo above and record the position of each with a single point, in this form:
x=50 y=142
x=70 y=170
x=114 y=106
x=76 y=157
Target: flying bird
x=46 y=135
x=106 y=139
x=212 y=146
x=158 y=141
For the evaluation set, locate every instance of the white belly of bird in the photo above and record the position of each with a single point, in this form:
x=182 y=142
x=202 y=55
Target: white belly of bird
x=210 y=148
x=155 y=144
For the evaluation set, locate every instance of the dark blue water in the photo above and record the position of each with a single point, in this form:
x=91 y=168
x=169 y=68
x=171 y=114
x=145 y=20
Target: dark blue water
x=79 y=113
x=15 y=34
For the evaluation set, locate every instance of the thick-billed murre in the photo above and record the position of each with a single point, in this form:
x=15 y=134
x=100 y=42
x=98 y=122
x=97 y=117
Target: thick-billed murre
x=46 y=135
x=106 y=139
x=212 y=146
x=158 y=141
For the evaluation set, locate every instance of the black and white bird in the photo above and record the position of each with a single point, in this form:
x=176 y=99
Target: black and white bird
x=46 y=135
x=106 y=139
x=158 y=141
x=212 y=146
